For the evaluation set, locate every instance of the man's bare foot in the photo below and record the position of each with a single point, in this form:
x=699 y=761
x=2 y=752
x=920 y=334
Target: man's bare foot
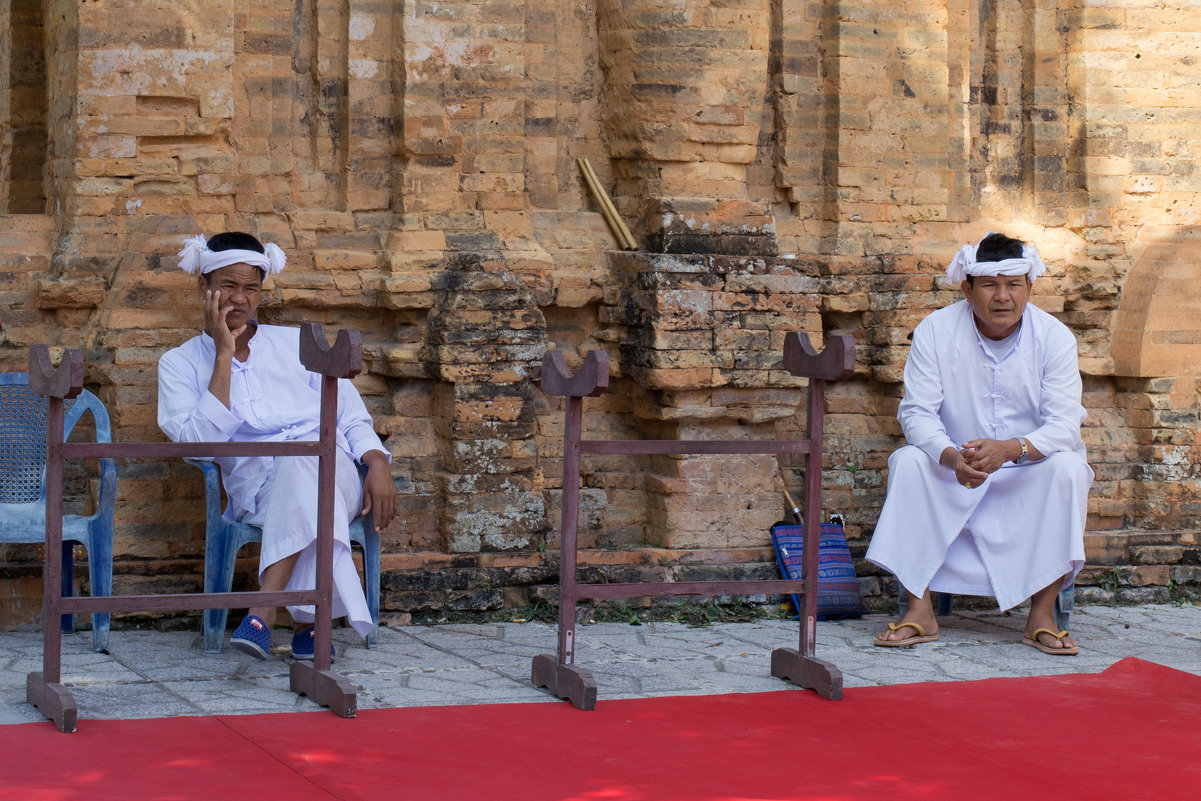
x=1041 y=631
x=918 y=636
x=917 y=625
x=1049 y=638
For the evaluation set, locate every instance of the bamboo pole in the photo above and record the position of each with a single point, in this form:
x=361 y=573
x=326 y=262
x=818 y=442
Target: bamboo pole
x=616 y=224
x=630 y=242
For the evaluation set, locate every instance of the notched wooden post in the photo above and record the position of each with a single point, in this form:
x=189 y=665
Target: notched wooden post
x=557 y=672
x=835 y=362
x=64 y=382
x=44 y=689
x=592 y=379
x=344 y=359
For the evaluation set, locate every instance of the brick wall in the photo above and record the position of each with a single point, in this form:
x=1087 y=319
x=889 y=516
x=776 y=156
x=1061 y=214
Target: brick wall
x=784 y=165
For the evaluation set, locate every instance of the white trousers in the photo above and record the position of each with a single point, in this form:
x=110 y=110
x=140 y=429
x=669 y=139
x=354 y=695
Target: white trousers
x=1018 y=532
x=287 y=512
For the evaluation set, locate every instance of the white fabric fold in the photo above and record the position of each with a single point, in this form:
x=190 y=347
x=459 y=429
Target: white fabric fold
x=197 y=256
x=1009 y=538
x=964 y=264
x=287 y=513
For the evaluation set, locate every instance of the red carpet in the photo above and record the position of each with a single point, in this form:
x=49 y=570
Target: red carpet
x=1132 y=732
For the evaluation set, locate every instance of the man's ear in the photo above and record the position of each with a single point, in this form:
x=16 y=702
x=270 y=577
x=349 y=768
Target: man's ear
x=965 y=287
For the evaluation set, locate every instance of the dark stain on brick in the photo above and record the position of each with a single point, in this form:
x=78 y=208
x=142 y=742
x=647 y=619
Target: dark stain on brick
x=274 y=44
x=984 y=94
x=473 y=240
x=658 y=89
x=727 y=244
x=539 y=126
x=442 y=162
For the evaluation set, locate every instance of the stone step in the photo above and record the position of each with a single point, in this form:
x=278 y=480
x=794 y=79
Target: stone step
x=1137 y=547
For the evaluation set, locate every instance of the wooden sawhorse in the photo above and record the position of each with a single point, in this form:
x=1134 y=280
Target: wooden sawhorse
x=559 y=673
x=44 y=689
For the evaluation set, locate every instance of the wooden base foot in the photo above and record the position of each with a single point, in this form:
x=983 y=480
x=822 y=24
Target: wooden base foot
x=326 y=688
x=808 y=672
x=565 y=681
x=52 y=700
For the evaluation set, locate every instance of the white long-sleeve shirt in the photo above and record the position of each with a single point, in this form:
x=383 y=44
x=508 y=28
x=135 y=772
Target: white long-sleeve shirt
x=273 y=398
x=956 y=391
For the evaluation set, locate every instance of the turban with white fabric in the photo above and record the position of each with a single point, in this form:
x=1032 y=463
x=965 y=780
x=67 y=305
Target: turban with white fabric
x=965 y=264
x=197 y=256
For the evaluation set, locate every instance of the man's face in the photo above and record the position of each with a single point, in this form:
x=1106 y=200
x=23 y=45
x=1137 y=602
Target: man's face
x=240 y=287
x=997 y=302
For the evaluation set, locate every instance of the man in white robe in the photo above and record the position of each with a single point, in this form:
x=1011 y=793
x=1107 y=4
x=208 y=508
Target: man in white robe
x=240 y=381
x=990 y=495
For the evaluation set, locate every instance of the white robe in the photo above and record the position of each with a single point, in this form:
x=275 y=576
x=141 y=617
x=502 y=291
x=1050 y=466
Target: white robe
x=274 y=398
x=1024 y=527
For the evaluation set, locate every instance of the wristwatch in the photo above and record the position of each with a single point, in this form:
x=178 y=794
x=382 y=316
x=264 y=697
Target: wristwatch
x=1025 y=454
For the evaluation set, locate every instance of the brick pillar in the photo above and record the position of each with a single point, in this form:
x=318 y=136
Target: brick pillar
x=462 y=133
x=704 y=306
x=484 y=344
x=62 y=18
x=702 y=337
x=684 y=99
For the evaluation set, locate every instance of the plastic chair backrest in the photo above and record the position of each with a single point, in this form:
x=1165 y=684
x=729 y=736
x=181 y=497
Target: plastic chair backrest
x=23 y=435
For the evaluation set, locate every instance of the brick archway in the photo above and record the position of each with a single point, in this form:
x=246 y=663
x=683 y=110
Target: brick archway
x=1157 y=328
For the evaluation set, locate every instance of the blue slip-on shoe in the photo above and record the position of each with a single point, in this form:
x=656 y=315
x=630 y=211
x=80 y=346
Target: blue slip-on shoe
x=252 y=637
x=304 y=645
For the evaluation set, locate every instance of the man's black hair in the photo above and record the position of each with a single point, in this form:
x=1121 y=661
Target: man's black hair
x=235 y=240
x=997 y=247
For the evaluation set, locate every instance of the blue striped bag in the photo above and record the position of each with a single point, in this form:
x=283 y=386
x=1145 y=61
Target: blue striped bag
x=837 y=584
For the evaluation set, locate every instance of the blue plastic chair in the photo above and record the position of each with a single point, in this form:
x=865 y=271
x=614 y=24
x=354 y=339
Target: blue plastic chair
x=1065 y=602
x=23 y=489
x=224 y=538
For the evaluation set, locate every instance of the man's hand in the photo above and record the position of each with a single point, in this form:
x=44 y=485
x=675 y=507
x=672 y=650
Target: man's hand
x=379 y=491
x=215 y=325
x=987 y=455
x=965 y=474
x=225 y=340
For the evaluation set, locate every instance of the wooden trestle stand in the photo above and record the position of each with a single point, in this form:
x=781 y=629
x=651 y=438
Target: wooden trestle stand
x=560 y=674
x=316 y=680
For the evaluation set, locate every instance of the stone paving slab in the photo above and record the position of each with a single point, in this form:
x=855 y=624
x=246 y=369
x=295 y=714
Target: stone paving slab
x=155 y=674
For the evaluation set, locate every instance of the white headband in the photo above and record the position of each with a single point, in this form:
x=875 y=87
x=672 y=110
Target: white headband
x=965 y=264
x=197 y=256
